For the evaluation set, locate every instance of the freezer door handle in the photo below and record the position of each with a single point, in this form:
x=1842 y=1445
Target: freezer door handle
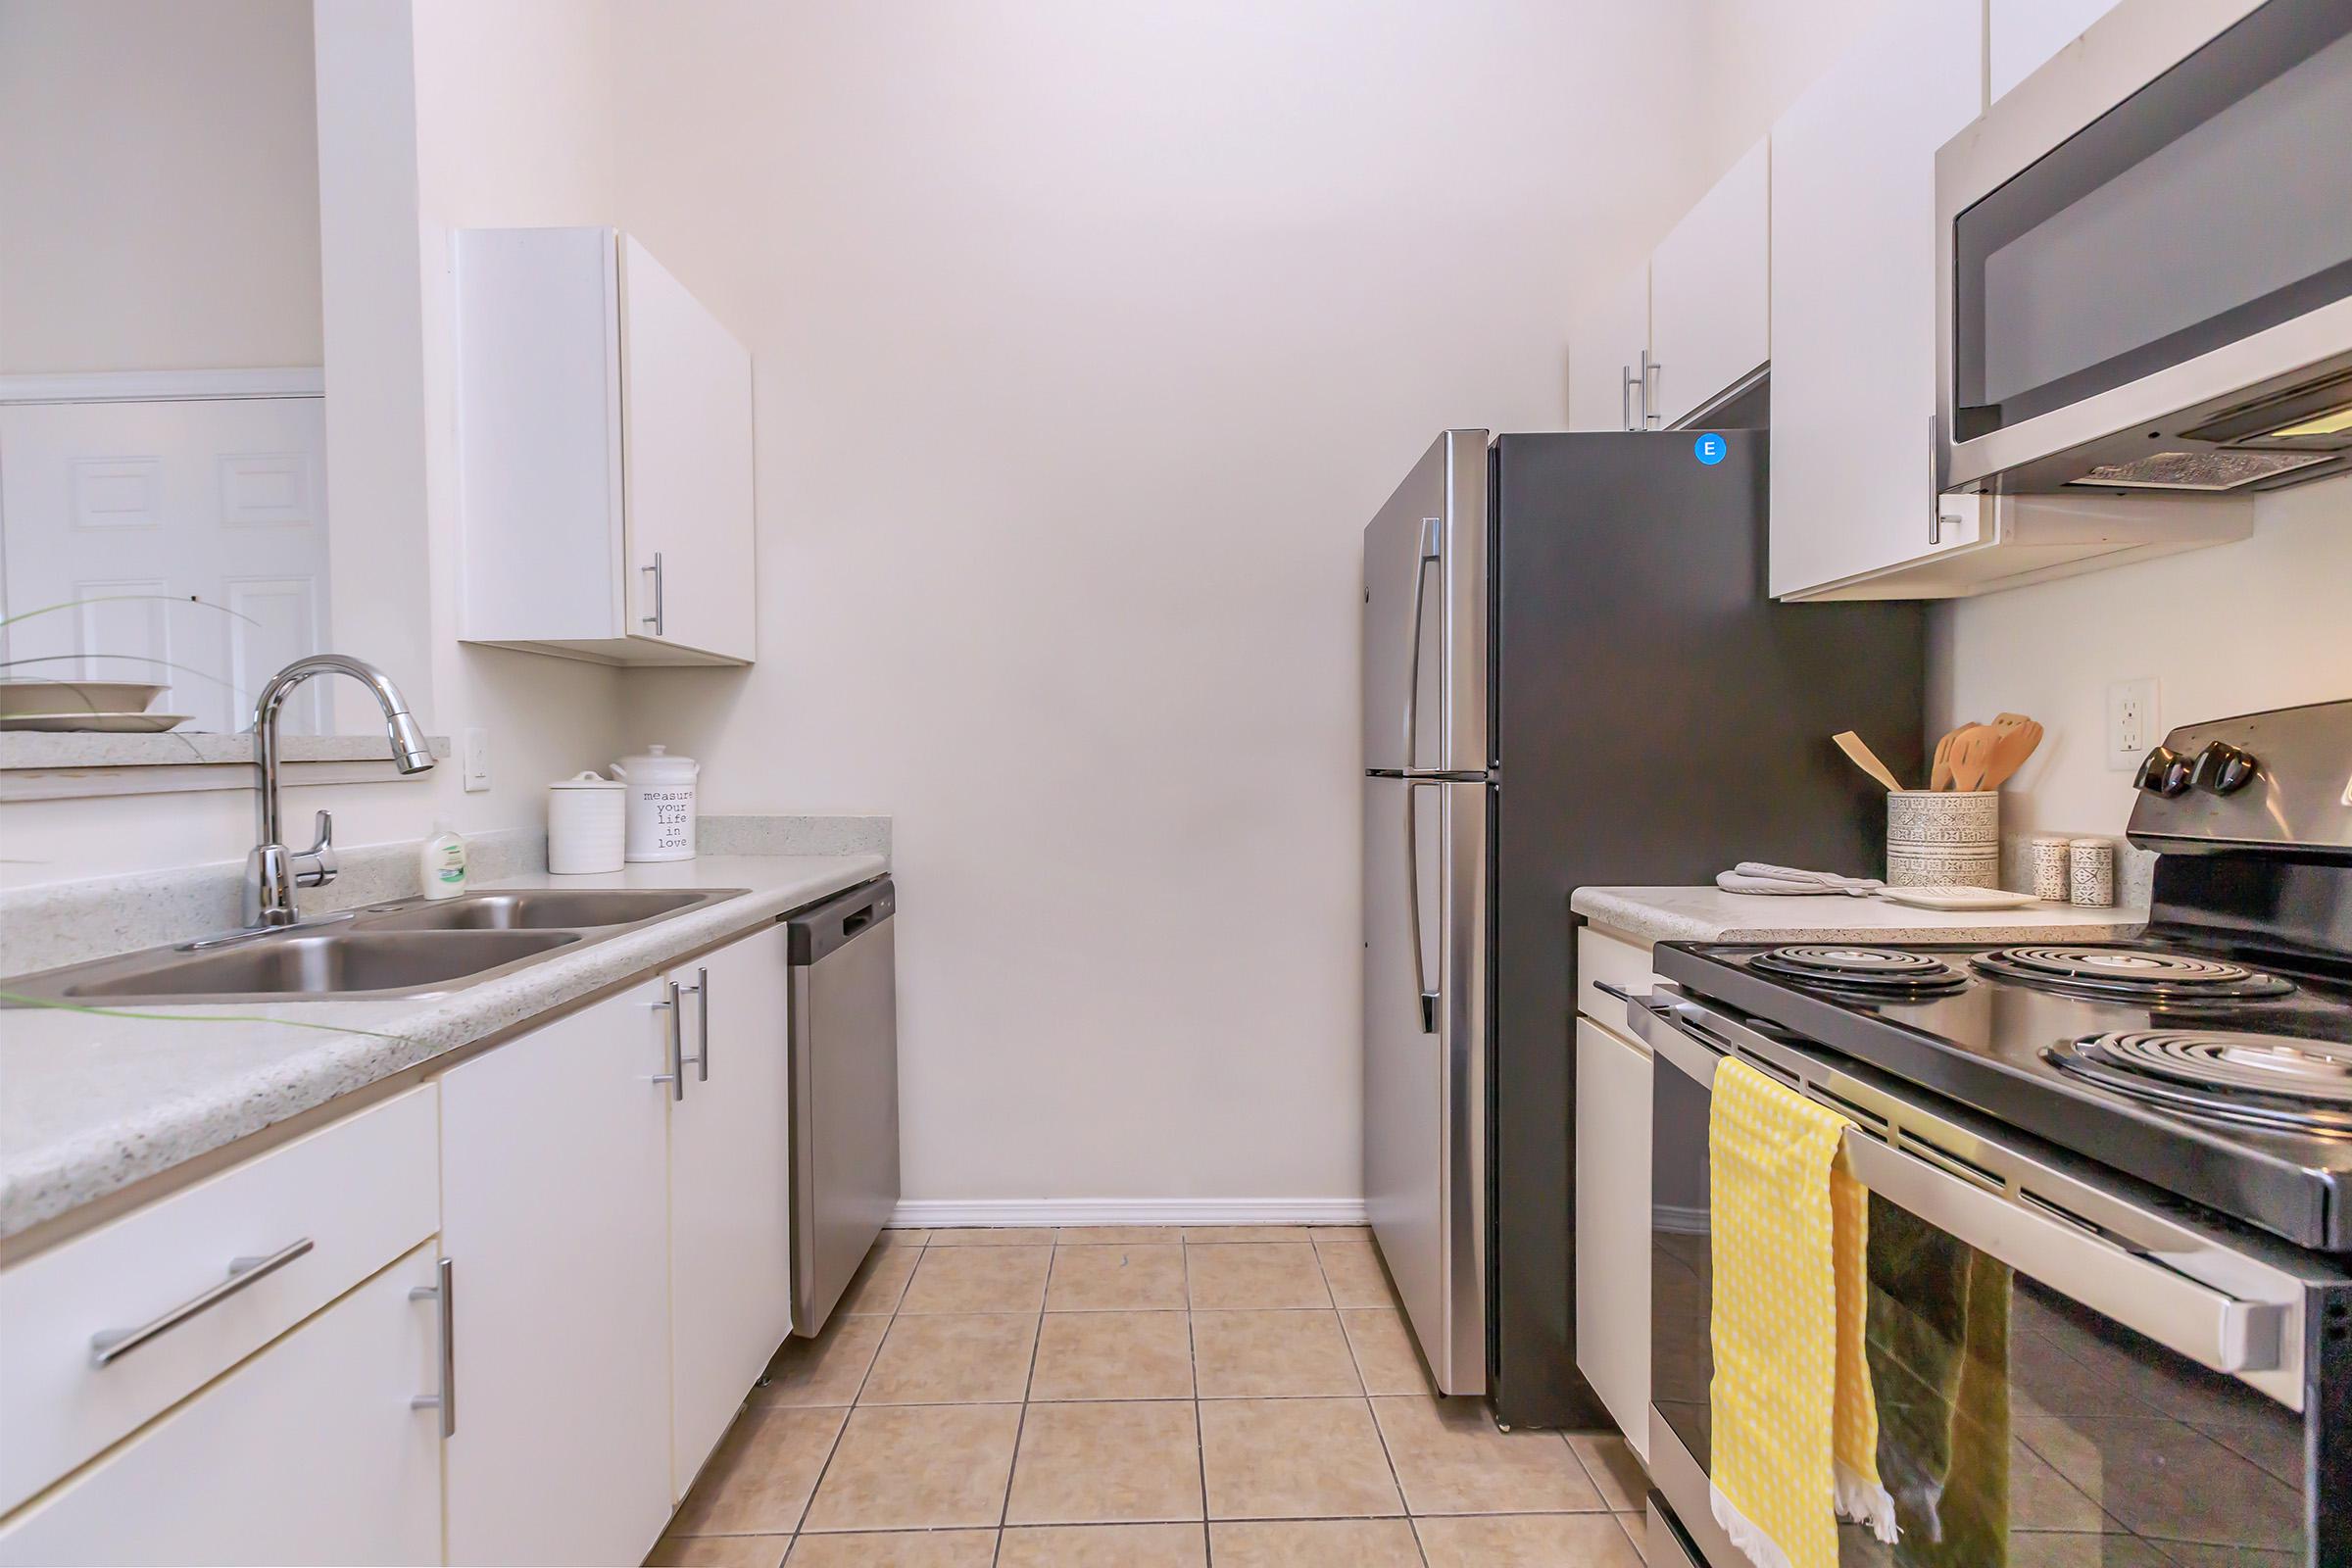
x=1432 y=529
x=1413 y=905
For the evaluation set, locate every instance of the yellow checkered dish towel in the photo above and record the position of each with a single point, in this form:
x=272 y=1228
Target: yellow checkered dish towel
x=1795 y=1431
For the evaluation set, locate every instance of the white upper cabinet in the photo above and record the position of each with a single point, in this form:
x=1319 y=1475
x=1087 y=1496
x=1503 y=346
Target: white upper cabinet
x=2022 y=33
x=1853 y=304
x=1710 y=314
x=605 y=454
x=1607 y=347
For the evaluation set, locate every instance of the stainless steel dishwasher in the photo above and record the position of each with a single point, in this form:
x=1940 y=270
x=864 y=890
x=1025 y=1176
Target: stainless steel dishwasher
x=844 y=1091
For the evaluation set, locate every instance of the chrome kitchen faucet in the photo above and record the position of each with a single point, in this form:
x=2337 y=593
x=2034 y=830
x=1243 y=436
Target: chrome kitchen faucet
x=272 y=871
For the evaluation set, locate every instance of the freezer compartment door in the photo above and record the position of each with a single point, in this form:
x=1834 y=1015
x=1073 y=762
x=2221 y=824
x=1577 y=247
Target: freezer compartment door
x=1425 y=616
x=1425 y=1032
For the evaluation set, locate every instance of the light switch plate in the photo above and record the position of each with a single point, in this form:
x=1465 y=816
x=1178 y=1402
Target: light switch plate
x=2134 y=724
x=476 y=761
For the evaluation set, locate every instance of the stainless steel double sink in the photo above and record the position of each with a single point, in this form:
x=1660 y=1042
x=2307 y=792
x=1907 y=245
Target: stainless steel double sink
x=414 y=948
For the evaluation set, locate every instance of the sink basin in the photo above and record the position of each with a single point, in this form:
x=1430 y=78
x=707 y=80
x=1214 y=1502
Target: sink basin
x=335 y=963
x=540 y=910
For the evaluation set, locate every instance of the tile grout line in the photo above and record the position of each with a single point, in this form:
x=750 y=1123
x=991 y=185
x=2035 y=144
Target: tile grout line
x=1192 y=1341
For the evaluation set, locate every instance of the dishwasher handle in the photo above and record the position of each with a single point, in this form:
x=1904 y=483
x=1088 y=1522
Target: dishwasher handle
x=824 y=928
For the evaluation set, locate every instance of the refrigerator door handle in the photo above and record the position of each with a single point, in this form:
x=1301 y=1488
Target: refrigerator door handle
x=1412 y=903
x=1430 y=555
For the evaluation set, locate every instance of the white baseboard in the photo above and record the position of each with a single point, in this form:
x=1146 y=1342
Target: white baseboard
x=936 y=1213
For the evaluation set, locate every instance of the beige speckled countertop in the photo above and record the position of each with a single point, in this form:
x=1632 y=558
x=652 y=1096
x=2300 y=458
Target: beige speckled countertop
x=1710 y=915
x=90 y=1105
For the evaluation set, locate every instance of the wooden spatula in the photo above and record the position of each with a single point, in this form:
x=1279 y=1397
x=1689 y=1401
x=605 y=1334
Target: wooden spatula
x=1971 y=751
x=1940 y=775
x=1864 y=758
x=2014 y=745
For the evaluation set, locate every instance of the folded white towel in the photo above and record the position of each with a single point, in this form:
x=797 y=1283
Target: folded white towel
x=1754 y=876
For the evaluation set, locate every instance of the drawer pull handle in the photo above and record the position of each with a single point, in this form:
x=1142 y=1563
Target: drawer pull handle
x=443 y=1294
x=111 y=1346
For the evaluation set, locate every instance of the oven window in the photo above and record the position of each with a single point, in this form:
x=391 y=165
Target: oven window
x=2212 y=204
x=2015 y=1427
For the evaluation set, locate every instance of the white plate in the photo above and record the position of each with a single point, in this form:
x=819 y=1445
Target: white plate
x=1953 y=896
x=95 y=723
x=35 y=696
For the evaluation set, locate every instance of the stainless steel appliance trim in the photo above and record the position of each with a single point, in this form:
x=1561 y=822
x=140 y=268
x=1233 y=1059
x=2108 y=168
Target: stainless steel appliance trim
x=1684 y=1484
x=443 y=1294
x=2122 y=52
x=1412 y=903
x=1663 y=1546
x=2182 y=1288
x=109 y=1346
x=1463 y=745
x=1432 y=552
x=800 y=1152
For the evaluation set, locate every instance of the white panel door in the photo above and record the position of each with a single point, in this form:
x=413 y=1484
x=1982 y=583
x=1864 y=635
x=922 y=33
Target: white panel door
x=1612 y=1226
x=555 y=1212
x=1853 y=297
x=310 y=1453
x=222 y=501
x=2025 y=33
x=1605 y=345
x=731 y=1214
x=1710 y=307
x=686 y=441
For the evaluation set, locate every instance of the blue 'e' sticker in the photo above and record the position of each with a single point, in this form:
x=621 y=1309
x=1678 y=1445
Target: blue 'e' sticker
x=1710 y=448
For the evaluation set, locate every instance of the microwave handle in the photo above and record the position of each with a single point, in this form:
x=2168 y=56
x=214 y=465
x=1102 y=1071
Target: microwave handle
x=2210 y=1327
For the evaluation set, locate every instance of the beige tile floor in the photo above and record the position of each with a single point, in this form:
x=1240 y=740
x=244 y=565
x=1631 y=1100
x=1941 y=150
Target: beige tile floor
x=1132 y=1397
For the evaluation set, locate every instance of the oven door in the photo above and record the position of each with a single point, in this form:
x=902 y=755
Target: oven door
x=2048 y=1391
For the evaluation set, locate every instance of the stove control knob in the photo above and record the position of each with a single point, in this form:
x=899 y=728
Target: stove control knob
x=2223 y=768
x=2165 y=772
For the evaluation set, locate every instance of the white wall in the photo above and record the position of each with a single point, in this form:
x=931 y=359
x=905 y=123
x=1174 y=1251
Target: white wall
x=2235 y=629
x=1087 y=338
x=433 y=116
x=1759 y=56
x=159 y=185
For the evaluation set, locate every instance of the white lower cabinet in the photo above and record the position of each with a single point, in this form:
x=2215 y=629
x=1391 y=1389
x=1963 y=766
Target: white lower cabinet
x=310 y=1452
x=1612 y=1225
x=555 y=1217
x=730 y=1257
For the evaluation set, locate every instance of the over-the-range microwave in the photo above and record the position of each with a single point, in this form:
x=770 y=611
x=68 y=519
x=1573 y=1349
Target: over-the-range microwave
x=2145 y=259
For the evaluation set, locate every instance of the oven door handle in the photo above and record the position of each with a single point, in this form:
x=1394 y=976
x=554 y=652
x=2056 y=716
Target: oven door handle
x=2211 y=1327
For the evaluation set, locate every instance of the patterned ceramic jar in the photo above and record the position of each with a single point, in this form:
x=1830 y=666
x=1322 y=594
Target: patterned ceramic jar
x=1944 y=836
x=2090 y=872
x=2049 y=870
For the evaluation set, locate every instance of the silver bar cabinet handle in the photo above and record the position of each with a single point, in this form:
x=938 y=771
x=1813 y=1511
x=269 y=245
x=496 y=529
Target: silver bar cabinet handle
x=700 y=991
x=443 y=1294
x=675 y=1035
x=112 y=1345
x=1652 y=419
x=655 y=620
x=1625 y=399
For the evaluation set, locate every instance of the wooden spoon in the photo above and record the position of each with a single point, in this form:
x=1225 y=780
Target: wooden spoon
x=2009 y=753
x=1864 y=758
x=1939 y=777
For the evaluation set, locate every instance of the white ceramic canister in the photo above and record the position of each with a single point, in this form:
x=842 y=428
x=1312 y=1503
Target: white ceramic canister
x=2090 y=872
x=660 y=803
x=585 y=831
x=1938 y=837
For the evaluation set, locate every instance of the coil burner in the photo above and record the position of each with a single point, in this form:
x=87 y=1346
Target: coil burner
x=2129 y=975
x=1886 y=973
x=2280 y=1082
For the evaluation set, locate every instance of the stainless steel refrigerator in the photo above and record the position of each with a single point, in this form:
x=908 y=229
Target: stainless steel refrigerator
x=1571 y=677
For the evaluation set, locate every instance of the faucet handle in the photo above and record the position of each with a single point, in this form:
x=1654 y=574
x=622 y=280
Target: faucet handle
x=316 y=865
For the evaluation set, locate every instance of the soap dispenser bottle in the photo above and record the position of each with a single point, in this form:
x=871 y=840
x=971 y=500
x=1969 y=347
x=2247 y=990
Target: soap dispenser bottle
x=441 y=861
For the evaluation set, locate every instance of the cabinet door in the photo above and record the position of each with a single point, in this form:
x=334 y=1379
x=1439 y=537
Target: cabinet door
x=1612 y=1226
x=309 y=1453
x=1710 y=308
x=1604 y=357
x=2024 y=33
x=686 y=442
x=1853 y=301
x=555 y=1209
x=730 y=1253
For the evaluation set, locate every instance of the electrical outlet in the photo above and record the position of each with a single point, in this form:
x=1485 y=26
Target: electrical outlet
x=2132 y=724
x=476 y=761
